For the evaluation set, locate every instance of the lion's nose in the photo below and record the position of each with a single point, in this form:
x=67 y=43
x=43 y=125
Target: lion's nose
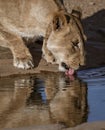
x=65 y=66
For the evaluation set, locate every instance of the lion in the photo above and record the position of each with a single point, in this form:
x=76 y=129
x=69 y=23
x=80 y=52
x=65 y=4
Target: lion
x=63 y=32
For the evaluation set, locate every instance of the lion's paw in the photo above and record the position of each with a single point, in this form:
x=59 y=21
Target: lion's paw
x=49 y=59
x=23 y=63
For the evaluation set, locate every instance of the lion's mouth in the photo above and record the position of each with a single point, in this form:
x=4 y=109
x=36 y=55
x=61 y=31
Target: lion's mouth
x=70 y=72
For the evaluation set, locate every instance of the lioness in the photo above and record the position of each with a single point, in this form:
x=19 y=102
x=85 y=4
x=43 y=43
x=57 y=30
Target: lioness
x=64 y=37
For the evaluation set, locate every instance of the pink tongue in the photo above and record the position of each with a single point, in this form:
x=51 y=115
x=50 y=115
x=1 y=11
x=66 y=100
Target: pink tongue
x=69 y=72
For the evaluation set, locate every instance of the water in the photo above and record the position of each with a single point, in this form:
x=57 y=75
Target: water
x=51 y=98
x=95 y=79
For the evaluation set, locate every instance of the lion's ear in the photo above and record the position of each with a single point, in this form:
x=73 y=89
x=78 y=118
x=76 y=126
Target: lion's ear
x=59 y=22
x=77 y=12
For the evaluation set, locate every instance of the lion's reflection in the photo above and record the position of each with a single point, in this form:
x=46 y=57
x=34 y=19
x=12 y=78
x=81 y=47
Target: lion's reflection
x=48 y=99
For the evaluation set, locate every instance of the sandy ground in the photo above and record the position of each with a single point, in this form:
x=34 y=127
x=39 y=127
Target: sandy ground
x=94 y=26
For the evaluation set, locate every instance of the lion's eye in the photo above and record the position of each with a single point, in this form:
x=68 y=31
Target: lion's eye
x=75 y=43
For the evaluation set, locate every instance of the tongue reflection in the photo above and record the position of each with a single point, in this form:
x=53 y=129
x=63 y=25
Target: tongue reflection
x=70 y=72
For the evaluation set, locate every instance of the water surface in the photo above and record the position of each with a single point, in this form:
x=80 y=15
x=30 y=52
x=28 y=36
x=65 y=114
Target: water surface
x=95 y=79
x=51 y=98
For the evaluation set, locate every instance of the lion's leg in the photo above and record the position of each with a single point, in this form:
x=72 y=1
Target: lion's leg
x=47 y=55
x=21 y=54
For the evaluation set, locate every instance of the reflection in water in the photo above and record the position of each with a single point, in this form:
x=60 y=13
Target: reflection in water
x=37 y=96
x=46 y=99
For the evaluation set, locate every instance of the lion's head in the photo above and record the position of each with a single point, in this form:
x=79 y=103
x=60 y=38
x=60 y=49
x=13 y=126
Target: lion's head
x=66 y=41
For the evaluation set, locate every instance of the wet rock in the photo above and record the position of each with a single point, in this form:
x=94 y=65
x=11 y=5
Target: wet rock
x=90 y=126
x=46 y=127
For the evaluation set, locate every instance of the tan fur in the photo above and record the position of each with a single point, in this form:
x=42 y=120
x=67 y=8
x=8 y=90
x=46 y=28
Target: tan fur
x=65 y=43
x=24 y=18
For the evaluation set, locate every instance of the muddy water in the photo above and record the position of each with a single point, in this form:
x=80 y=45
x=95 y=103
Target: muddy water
x=51 y=98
